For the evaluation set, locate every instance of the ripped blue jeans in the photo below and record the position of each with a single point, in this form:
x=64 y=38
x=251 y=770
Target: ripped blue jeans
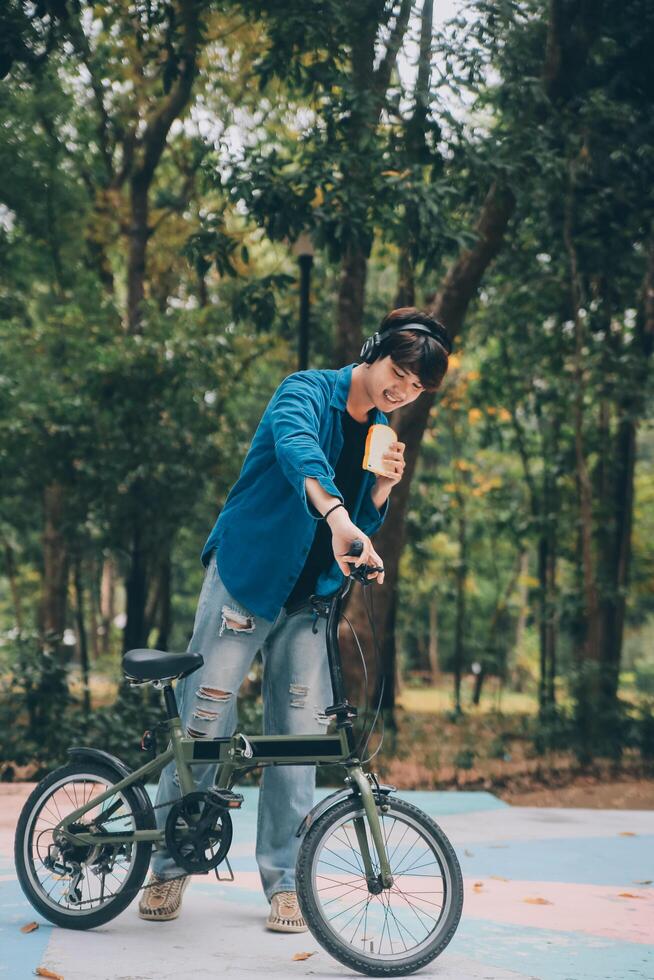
x=296 y=690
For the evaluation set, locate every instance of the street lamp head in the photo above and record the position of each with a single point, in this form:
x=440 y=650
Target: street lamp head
x=303 y=245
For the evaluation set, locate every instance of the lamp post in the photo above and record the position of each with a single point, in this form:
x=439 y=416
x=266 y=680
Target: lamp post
x=303 y=248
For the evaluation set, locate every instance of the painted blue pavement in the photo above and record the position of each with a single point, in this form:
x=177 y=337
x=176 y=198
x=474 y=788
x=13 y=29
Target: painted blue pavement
x=574 y=851
x=549 y=955
x=20 y=954
x=586 y=861
x=15 y=911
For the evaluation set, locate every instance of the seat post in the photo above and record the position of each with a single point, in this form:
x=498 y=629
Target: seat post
x=170 y=702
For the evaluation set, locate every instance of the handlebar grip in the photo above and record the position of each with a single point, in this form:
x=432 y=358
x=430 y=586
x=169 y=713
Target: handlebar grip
x=361 y=573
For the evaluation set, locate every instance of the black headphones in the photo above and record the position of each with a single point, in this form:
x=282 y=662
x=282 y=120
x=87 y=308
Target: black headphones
x=372 y=345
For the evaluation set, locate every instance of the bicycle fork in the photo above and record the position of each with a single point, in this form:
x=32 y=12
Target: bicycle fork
x=376 y=882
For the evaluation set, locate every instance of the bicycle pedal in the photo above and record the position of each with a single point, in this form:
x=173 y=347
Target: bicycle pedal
x=226 y=798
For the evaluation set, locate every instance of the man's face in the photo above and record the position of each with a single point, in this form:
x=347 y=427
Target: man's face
x=390 y=386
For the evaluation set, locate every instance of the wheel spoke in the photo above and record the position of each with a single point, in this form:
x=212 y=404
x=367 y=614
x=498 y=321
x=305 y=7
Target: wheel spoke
x=341 y=858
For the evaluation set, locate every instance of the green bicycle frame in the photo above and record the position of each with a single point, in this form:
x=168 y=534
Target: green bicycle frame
x=240 y=752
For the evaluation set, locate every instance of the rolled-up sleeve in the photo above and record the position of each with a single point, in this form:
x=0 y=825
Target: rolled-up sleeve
x=369 y=519
x=296 y=410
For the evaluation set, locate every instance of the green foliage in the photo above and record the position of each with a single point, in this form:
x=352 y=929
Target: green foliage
x=464 y=759
x=146 y=431
x=645 y=677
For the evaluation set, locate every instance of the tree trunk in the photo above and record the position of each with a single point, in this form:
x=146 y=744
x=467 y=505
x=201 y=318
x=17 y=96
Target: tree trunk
x=51 y=690
x=136 y=594
x=479 y=683
x=369 y=87
x=164 y=603
x=622 y=497
x=433 y=641
x=523 y=610
x=399 y=679
x=351 y=298
x=459 y=626
x=94 y=620
x=459 y=287
x=107 y=601
x=55 y=570
x=551 y=613
x=81 y=633
x=138 y=243
x=13 y=585
x=406 y=285
x=588 y=675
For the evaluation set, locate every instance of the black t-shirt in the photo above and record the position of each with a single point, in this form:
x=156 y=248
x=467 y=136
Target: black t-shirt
x=348 y=474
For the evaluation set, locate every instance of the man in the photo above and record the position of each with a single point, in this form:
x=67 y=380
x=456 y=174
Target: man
x=282 y=537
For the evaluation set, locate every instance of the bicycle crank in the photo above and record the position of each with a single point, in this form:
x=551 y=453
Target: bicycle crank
x=199 y=831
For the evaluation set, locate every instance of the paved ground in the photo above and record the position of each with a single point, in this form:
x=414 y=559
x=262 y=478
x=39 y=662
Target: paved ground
x=592 y=871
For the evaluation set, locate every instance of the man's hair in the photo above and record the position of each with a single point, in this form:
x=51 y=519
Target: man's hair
x=414 y=350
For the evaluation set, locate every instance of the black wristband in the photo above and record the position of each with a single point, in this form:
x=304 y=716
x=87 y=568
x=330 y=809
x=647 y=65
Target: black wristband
x=331 y=510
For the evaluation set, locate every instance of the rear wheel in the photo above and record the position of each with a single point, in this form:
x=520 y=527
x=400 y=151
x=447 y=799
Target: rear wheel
x=380 y=932
x=85 y=885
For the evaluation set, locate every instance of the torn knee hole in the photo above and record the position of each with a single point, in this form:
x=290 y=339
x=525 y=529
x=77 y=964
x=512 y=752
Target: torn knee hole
x=235 y=621
x=321 y=717
x=193 y=733
x=203 y=714
x=298 y=694
x=213 y=694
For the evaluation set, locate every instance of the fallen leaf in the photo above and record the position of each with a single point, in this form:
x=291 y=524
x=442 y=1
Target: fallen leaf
x=628 y=895
x=478 y=885
x=627 y=833
x=302 y=956
x=537 y=901
x=42 y=972
x=30 y=927
x=499 y=878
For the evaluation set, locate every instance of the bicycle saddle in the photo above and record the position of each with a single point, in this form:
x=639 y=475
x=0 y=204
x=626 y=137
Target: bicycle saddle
x=154 y=665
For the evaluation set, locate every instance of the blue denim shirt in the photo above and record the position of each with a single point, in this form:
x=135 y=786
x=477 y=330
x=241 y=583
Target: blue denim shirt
x=264 y=531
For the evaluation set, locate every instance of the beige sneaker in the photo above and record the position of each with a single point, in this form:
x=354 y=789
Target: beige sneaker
x=163 y=900
x=285 y=915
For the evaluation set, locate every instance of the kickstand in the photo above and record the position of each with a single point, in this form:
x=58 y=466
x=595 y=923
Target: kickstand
x=229 y=868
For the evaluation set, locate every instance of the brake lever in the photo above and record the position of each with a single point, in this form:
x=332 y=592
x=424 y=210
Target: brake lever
x=363 y=571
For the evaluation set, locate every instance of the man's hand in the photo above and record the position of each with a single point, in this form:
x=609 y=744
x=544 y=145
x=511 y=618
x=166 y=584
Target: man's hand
x=344 y=532
x=394 y=464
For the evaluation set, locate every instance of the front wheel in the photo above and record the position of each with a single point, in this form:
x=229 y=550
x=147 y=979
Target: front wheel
x=84 y=885
x=380 y=932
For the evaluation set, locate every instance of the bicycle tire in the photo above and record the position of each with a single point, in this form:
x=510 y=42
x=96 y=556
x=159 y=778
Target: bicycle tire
x=314 y=911
x=25 y=867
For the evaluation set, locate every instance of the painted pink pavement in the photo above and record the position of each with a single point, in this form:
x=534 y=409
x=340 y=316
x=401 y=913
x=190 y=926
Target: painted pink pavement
x=551 y=894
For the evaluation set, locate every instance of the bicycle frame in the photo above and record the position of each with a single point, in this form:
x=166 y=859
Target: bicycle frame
x=241 y=752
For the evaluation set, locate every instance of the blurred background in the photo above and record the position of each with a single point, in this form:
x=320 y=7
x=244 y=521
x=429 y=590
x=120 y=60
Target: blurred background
x=200 y=197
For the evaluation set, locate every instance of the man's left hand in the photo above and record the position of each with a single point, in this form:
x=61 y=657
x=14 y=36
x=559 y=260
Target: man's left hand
x=393 y=460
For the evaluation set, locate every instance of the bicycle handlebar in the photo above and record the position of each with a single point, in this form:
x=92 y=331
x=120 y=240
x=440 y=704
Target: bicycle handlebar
x=363 y=571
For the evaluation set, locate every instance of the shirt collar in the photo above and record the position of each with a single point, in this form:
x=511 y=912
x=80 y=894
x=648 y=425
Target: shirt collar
x=342 y=387
x=342 y=390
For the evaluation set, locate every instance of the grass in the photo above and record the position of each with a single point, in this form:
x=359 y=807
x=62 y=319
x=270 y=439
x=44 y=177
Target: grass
x=430 y=700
